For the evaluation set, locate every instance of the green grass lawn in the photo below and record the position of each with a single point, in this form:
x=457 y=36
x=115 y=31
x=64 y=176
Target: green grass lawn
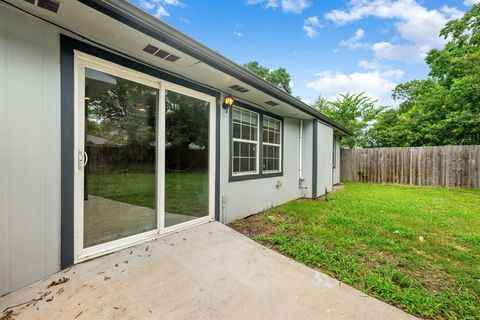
x=415 y=247
x=185 y=193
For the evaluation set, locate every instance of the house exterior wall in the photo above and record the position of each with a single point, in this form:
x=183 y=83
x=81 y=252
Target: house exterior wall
x=307 y=157
x=336 y=170
x=324 y=159
x=30 y=150
x=243 y=198
x=30 y=160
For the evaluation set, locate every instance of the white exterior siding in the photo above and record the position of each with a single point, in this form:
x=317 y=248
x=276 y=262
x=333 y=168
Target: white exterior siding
x=30 y=150
x=336 y=171
x=307 y=158
x=239 y=199
x=30 y=162
x=325 y=159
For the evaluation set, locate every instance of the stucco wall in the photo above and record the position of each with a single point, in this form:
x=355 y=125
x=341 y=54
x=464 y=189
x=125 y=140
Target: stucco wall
x=242 y=198
x=325 y=159
x=30 y=150
x=336 y=171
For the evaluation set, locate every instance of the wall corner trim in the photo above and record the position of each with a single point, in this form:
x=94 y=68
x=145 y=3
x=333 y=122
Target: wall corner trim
x=315 y=159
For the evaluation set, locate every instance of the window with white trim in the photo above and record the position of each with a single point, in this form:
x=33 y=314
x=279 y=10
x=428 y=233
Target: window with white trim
x=245 y=141
x=271 y=144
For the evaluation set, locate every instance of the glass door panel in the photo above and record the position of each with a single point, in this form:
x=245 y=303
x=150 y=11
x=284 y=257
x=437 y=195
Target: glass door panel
x=186 y=158
x=120 y=184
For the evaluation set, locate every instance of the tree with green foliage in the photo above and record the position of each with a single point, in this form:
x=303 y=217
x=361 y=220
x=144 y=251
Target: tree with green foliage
x=353 y=111
x=445 y=108
x=278 y=77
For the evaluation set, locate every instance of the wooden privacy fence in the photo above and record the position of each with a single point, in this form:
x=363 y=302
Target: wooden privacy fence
x=450 y=166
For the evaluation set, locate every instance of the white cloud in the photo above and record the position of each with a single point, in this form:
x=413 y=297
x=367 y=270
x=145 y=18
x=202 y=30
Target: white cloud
x=310 y=26
x=161 y=12
x=310 y=31
x=295 y=6
x=149 y=5
x=354 y=42
x=313 y=21
x=375 y=84
x=292 y=6
x=470 y=2
x=416 y=25
x=400 y=52
x=370 y=65
x=239 y=30
x=159 y=7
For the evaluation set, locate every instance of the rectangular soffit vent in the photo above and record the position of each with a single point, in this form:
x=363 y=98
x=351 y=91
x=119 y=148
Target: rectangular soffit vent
x=50 y=5
x=239 y=88
x=30 y=1
x=172 y=58
x=159 y=53
x=150 y=49
x=272 y=103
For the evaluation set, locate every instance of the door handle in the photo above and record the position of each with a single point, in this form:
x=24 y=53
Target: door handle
x=82 y=159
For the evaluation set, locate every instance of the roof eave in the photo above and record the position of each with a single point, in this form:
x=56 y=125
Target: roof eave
x=144 y=22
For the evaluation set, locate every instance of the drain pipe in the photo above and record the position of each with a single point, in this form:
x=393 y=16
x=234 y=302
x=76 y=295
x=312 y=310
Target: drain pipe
x=300 y=155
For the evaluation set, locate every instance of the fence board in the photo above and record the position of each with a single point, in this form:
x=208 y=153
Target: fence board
x=450 y=166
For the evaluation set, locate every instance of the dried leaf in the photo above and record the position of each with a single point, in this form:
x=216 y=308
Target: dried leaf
x=78 y=315
x=8 y=315
x=106 y=278
x=59 y=281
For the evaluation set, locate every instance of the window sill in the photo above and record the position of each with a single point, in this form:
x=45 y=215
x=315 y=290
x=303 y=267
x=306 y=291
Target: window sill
x=246 y=177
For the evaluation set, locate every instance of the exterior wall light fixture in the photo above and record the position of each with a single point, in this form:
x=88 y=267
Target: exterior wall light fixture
x=227 y=103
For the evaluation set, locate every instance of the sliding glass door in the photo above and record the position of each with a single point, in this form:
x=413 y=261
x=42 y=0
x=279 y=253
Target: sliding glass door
x=120 y=142
x=144 y=157
x=186 y=158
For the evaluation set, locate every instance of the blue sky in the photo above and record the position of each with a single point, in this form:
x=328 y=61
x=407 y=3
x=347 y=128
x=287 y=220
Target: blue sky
x=328 y=46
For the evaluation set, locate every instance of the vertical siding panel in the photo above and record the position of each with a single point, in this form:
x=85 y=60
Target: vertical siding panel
x=4 y=165
x=30 y=121
x=24 y=95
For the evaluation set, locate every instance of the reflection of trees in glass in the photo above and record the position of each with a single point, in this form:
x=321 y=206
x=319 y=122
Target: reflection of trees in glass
x=123 y=114
x=186 y=121
x=186 y=133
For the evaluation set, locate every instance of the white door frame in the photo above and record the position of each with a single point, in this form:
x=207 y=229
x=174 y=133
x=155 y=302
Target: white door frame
x=82 y=61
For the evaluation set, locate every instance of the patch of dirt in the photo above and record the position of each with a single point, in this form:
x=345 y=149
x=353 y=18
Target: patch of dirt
x=255 y=225
x=338 y=187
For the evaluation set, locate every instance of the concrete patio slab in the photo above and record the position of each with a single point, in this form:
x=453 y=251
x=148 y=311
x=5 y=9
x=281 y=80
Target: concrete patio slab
x=206 y=272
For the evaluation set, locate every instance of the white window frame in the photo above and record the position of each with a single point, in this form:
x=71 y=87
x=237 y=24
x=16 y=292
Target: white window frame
x=257 y=143
x=274 y=145
x=83 y=61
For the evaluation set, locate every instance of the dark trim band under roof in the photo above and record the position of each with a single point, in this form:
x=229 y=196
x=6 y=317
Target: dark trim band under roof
x=142 y=21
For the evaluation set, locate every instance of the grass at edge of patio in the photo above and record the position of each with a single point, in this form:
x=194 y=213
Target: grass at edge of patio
x=415 y=247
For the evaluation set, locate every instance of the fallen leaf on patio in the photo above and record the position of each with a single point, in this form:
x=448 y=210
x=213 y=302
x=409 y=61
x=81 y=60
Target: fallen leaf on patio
x=60 y=291
x=59 y=281
x=116 y=308
x=7 y=315
x=146 y=249
x=50 y=299
x=78 y=315
x=106 y=278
